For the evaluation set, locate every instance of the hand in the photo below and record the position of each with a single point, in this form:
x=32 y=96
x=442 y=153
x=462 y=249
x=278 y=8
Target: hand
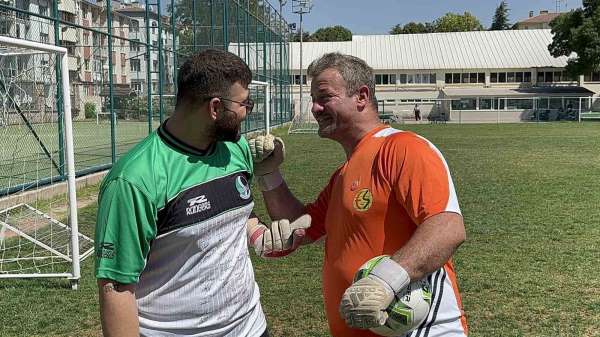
x=364 y=303
x=280 y=239
x=267 y=152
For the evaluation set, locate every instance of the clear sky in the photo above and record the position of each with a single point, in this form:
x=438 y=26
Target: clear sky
x=379 y=16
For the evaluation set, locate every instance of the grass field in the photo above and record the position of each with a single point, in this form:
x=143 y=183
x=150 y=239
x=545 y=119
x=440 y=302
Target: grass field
x=530 y=195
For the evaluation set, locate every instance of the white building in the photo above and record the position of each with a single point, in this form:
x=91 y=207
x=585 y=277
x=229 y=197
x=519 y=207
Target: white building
x=476 y=72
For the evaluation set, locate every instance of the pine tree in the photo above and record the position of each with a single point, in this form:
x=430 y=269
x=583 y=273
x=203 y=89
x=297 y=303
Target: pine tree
x=501 y=17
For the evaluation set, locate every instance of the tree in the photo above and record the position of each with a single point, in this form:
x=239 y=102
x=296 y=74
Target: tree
x=335 y=33
x=413 y=28
x=501 y=17
x=305 y=36
x=578 y=32
x=397 y=29
x=452 y=22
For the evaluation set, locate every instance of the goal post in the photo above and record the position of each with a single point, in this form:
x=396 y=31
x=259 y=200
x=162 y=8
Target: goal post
x=261 y=116
x=39 y=232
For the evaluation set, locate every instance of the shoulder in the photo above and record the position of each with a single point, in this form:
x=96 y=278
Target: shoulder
x=136 y=167
x=399 y=139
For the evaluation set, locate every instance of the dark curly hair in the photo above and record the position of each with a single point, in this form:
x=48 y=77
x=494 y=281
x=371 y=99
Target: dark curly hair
x=210 y=73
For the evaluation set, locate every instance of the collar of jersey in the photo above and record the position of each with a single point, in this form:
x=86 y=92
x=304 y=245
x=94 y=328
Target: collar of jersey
x=180 y=145
x=369 y=135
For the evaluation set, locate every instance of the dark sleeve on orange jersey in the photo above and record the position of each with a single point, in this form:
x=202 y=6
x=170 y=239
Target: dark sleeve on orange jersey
x=419 y=175
x=318 y=211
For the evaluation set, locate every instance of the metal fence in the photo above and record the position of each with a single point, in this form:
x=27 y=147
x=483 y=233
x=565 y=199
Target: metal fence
x=123 y=61
x=491 y=109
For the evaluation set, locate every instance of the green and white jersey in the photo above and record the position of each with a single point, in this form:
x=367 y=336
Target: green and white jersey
x=172 y=219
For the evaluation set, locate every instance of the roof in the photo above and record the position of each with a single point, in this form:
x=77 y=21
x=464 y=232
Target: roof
x=460 y=50
x=542 y=18
x=525 y=92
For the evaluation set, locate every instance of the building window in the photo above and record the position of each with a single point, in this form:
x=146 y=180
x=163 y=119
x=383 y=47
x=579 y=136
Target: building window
x=43 y=10
x=154 y=27
x=154 y=65
x=87 y=64
x=297 y=79
x=135 y=26
x=549 y=77
x=485 y=104
x=456 y=78
x=494 y=77
x=540 y=77
x=510 y=77
x=527 y=77
x=135 y=64
x=134 y=45
x=464 y=104
x=596 y=76
x=44 y=38
x=136 y=86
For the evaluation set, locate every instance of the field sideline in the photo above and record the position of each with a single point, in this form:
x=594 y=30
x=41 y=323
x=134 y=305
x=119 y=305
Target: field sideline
x=530 y=194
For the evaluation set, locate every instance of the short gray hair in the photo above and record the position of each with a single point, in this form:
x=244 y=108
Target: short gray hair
x=353 y=70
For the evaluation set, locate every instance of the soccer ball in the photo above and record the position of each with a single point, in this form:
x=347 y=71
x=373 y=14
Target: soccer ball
x=409 y=308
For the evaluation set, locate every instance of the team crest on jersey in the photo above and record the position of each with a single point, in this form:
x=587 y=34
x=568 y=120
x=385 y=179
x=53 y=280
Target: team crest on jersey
x=241 y=184
x=363 y=200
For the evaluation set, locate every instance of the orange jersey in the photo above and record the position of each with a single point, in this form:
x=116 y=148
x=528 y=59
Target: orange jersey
x=392 y=182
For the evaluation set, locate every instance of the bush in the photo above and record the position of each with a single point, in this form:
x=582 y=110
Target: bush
x=90 y=110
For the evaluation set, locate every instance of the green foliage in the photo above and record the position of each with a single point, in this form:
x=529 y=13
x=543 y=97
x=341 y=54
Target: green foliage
x=306 y=37
x=448 y=23
x=452 y=22
x=335 y=33
x=578 y=32
x=501 y=17
x=413 y=28
x=89 y=109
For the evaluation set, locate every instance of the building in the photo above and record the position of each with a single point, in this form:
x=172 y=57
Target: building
x=138 y=56
x=541 y=21
x=478 y=72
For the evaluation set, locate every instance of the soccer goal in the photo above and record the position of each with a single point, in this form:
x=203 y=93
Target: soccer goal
x=39 y=234
x=262 y=114
x=303 y=121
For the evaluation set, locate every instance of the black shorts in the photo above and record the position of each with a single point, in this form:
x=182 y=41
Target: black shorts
x=265 y=334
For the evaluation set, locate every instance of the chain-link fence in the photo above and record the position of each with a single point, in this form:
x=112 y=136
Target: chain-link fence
x=123 y=61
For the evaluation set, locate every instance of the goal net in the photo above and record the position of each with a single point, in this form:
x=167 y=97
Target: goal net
x=262 y=114
x=39 y=234
x=303 y=120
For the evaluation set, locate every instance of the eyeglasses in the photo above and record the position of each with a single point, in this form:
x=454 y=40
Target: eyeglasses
x=248 y=103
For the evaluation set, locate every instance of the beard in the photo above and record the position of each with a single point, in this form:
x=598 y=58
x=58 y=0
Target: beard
x=227 y=127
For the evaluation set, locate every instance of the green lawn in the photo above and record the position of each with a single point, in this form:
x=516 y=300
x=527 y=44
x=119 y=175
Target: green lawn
x=530 y=194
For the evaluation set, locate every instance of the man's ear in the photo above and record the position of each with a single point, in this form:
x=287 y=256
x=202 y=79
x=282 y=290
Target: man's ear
x=214 y=105
x=363 y=97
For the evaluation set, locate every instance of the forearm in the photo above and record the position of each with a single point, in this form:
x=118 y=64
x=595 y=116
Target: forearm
x=282 y=204
x=118 y=309
x=432 y=245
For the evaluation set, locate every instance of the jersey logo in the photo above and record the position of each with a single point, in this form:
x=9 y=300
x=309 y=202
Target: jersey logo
x=241 y=185
x=197 y=204
x=363 y=200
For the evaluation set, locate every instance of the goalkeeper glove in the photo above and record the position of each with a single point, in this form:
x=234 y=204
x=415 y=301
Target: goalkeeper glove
x=268 y=153
x=364 y=303
x=280 y=239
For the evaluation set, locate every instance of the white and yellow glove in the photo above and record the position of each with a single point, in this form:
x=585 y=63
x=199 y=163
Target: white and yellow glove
x=364 y=303
x=280 y=239
x=268 y=152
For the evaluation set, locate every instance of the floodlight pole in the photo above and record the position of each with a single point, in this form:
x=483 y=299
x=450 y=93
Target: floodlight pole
x=301 y=7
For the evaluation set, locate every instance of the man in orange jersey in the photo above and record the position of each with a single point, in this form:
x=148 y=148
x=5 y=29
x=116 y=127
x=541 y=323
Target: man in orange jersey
x=393 y=196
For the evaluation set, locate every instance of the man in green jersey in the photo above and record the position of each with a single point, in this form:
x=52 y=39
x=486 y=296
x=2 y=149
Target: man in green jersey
x=171 y=237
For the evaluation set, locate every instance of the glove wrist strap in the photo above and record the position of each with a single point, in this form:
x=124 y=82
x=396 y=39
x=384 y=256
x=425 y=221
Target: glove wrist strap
x=393 y=274
x=269 y=181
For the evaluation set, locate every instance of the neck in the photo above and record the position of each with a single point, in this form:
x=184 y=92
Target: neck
x=356 y=134
x=190 y=129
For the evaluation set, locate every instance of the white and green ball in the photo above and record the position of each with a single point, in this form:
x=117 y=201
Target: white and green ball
x=409 y=308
